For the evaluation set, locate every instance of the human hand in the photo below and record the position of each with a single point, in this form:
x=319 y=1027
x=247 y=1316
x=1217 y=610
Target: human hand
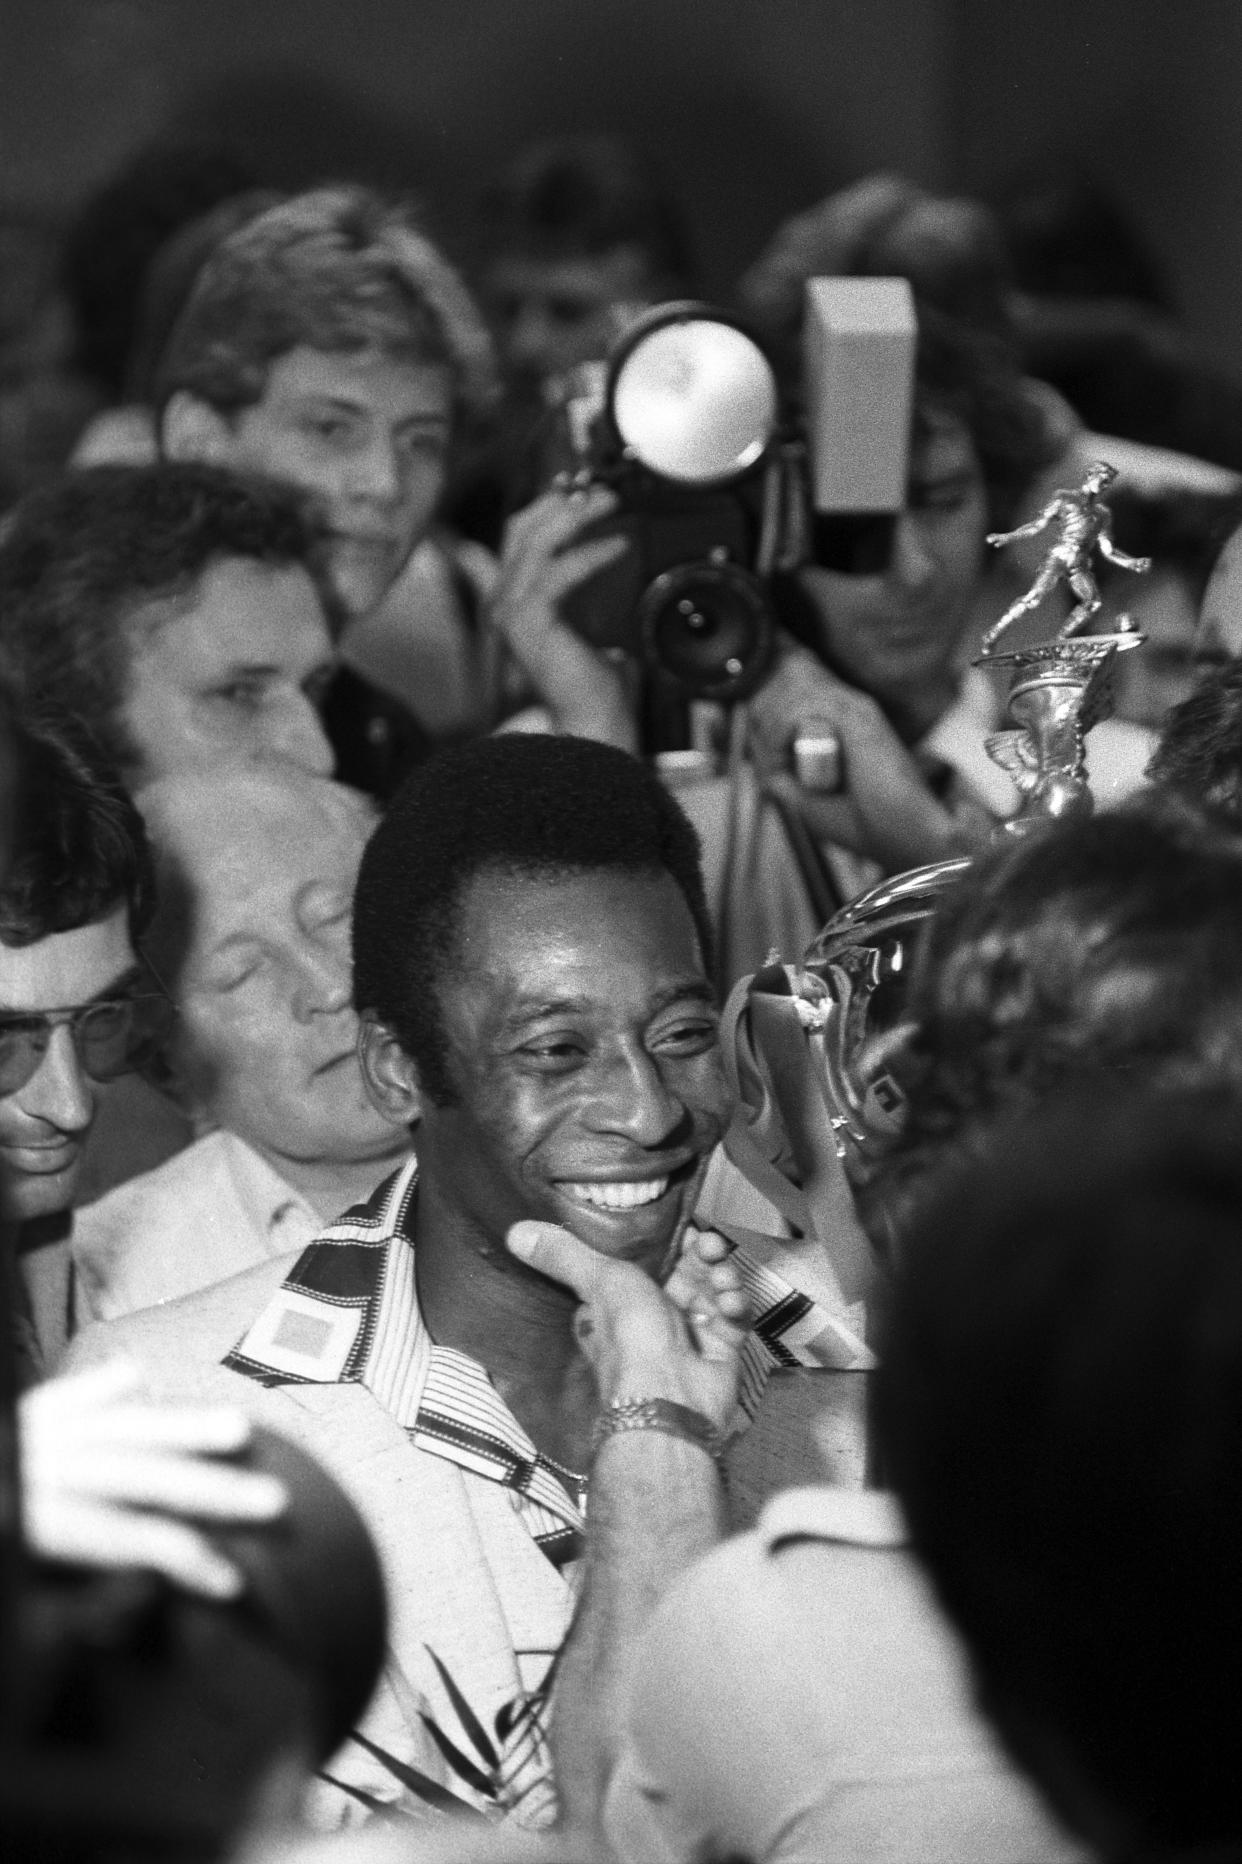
x=110 y=1479
x=681 y=1342
x=540 y=564
x=884 y=809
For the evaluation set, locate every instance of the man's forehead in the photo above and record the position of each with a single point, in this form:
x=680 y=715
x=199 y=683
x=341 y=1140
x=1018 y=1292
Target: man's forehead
x=591 y=278
x=408 y=389
x=244 y=600
x=537 y=934
x=246 y=837
x=67 y=968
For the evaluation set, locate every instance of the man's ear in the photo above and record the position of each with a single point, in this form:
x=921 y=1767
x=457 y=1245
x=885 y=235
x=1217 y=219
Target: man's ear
x=390 y=1077
x=191 y=429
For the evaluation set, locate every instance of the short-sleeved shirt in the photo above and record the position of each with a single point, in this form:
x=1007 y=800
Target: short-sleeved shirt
x=798 y=1698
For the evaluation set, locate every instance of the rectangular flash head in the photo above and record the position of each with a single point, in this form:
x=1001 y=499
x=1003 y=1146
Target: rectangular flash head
x=859 y=338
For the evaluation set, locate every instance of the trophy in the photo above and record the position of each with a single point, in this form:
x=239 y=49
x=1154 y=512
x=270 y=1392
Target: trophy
x=849 y=990
x=1061 y=687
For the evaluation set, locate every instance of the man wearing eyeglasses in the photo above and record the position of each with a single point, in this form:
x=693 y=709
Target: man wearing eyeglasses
x=73 y=1011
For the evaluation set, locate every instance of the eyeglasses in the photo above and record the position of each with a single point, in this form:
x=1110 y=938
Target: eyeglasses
x=110 y=1037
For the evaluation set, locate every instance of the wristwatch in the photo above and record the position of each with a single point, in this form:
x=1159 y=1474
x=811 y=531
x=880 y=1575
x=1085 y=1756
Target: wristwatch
x=662 y=1414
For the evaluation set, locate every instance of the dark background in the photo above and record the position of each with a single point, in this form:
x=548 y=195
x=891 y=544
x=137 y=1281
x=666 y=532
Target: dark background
x=756 y=107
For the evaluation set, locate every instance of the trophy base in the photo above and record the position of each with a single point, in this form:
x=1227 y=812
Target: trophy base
x=1064 y=656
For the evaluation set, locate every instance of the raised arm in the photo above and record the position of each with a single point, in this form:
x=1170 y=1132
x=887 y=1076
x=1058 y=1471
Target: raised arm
x=543 y=559
x=666 y=1368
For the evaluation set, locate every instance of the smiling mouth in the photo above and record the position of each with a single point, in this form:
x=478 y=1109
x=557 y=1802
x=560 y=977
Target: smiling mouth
x=40 y=1160
x=628 y=1195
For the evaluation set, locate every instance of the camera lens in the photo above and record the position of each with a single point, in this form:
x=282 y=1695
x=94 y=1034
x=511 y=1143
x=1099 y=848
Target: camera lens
x=709 y=626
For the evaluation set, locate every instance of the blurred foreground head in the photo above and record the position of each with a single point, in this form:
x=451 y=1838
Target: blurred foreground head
x=1199 y=755
x=1060 y=1408
x=1109 y=946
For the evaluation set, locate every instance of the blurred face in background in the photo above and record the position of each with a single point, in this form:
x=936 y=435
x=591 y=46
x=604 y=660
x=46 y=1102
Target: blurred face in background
x=549 y=315
x=896 y=632
x=234 y=671
x=364 y=433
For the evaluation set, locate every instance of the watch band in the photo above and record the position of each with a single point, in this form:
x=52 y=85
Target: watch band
x=662 y=1414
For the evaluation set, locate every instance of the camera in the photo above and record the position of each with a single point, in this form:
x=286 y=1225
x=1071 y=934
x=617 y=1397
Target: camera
x=720 y=490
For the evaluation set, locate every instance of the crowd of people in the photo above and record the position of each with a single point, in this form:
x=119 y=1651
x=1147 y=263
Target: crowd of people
x=527 y=1464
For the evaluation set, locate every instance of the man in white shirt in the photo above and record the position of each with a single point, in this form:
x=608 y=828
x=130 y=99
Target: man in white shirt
x=256 y=866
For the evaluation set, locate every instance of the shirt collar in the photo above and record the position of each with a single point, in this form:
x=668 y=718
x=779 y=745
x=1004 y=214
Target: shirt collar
x=261 y=1189
x=348 y=1312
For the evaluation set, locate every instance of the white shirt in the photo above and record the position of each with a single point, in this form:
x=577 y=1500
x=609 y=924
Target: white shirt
x=210 y=1212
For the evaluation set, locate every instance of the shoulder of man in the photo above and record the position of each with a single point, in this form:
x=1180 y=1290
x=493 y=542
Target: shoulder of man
x=151 y=1192
x=180 y=1344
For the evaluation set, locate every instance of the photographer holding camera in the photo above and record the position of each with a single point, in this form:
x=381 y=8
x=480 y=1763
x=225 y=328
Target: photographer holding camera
x=856 y=730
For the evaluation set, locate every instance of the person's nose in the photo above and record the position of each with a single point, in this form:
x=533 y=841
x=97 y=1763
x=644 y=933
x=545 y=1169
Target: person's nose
x=298 y=735
x=323 y=986
x=378 y=472
x=59 y=1091
x=634 y=1100
x=913 y=562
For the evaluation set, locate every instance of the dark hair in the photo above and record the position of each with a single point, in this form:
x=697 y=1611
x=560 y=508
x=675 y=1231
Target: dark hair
x=579 y=197
x=1059 y=1409
x=1110 y=944
x=337 y=269
x=514 y=804
x=1199 y=755
x=950 y=248
x=966 y=371
x=77 y=848
x=1066 y=236
x=171 y=277
x=117 y=234
x=84 y=559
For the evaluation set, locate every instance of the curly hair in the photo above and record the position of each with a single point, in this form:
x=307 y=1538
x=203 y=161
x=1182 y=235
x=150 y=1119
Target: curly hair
x=513 y=804
x=337 y=269
x=971 y=373
x=89 y=562
x=1199 y=756
x=1107 y=945
x=77 y=848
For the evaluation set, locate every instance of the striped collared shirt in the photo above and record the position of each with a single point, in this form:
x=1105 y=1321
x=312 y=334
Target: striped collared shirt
x=348 y=1311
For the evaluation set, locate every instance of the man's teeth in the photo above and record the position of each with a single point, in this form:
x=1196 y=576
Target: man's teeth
x=619 y=1196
